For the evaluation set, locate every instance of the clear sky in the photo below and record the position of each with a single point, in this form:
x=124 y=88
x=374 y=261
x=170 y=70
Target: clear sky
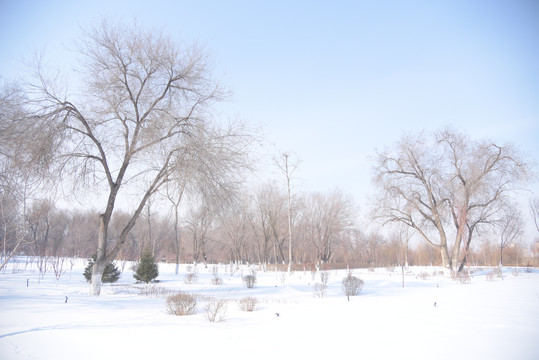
x=331 y=81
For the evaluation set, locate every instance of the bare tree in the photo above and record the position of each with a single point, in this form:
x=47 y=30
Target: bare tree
x=269 y=223
x=209 y=170
x=327 y=217
x=16 y=184
x=175 y=194
x=234 y=226
x=288 y=170
x=510 y=227
x=447 y=187
x=143 y=104
x=261 y=222
x=201 y=221
x=13 y=228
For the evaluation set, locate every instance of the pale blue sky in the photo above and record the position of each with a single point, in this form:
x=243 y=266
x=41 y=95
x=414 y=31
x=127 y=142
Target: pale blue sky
x=331 y=81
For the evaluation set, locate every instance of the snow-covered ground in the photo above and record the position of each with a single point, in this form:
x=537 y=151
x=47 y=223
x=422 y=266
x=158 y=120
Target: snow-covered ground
x=484 y=319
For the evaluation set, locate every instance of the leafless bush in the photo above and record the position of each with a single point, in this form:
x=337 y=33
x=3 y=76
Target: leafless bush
x=192 y=275
x=529 y=268
x=181 y=304
x=216 y=280
x=248 y=303
x=42 y=264
x=319 y=290
x=217 y=309
x=462 y=277
x=371 y=269
x=249 y=281
x=351 y=285
x=191 y=278
x=58 y=267
x=324 y=277
x=153 y=290
x=490 y=276
x=423 y=275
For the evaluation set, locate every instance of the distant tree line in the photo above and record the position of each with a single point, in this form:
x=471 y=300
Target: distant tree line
x=326 y=229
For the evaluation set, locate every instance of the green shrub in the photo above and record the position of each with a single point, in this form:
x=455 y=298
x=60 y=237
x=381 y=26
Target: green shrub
x=111 y=273
x=146 y=270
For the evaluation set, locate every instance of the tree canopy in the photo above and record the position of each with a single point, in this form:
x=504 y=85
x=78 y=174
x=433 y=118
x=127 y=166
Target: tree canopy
x=445 y=187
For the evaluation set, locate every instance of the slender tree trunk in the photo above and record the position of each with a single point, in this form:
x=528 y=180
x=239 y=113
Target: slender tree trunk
x=289 y=221
x=177 y=238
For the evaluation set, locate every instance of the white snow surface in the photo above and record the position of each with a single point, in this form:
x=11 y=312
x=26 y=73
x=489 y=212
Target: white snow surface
x=483 y=319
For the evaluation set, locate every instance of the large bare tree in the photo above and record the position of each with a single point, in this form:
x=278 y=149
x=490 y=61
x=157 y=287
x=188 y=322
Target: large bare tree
x=141 y=106
x=445 y=187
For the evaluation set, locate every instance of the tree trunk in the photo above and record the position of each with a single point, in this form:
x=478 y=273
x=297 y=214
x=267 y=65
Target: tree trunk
x=176 y=239
x=455 y=254
x=100 y=261
x=95 y=282
x=446 y=262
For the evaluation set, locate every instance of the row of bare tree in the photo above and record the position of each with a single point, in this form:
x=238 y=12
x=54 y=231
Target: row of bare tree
x=253 y=229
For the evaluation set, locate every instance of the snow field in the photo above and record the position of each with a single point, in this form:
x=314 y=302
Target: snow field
x=484 y=319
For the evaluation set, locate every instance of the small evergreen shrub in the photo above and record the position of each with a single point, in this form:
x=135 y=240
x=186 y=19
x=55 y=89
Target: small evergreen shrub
x=147 y=269
x=111 y=274
x=181 y=304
